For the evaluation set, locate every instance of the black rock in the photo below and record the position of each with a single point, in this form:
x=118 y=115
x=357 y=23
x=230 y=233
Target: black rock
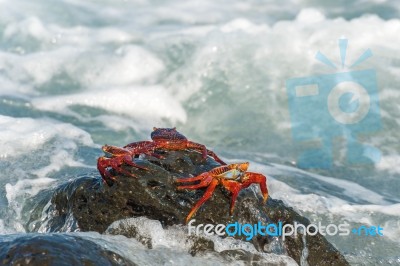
x=89 y=205
x=55 y=249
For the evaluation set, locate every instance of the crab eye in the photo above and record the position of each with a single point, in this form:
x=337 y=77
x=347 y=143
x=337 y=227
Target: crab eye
x=154 y=128
x=174 y=128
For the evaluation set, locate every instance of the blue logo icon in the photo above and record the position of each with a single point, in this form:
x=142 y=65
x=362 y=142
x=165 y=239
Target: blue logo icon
x=344 y=105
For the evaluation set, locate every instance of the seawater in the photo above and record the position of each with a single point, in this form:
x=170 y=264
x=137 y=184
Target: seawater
x=76 y=75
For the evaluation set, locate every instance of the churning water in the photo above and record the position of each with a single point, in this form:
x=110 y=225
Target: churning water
x=75 y=75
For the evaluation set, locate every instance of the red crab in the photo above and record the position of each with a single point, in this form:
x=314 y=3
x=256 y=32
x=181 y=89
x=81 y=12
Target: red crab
x=233 y=177
x=163 y=138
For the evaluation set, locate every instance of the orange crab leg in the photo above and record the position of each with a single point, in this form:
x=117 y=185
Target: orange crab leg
x=205 y=197
x=260 y=179
x=220 y=172
x=191 y=179
x=234 y=187
x=206 y=179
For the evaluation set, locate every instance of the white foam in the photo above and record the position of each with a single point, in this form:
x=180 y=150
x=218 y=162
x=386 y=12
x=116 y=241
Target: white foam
x=390 y=163
x=136 y=252
x=310 y=202
x=32 y=27
x=386 y=216
x=5 y=229
x=309 y=16
x=312 y=205
x=225 y=63
x=26 y=187
x=33 y=149
x=59 y=158
x=150 y=104
x=25 y=73
x=349 y=188
x=17 y=194
x=23 y=135
x=48 y=35
x=60 y=50
x=154 y=232
x=127 y=65
x=177 y=238
x=393 y=209
x=250 y=62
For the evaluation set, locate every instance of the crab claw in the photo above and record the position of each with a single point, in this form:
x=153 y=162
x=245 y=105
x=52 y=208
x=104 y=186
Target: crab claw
x=260 y=179
x=102 y=164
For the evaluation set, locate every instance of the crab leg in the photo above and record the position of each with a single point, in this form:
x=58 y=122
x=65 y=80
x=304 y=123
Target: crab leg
x=128 y=160
x=234 y=187
x=191 y=179
x=197 y=146
x=102 y=164
x=222 y=172
x=205 y=178
x=212 y=154
x=259 y=179
x=116 y=163
x=204 y=151
x=146 y=147
x=119 y=155
x=158 y=156
x=205 y=197
x=140 y=146
x=102 y=167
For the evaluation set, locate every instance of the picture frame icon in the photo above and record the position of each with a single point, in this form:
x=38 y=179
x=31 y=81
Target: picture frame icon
x=341 y=104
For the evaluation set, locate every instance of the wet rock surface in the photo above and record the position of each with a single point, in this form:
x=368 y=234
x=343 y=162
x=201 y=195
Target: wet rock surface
x=87 y=204
x=55 y=249
x=152 y=234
